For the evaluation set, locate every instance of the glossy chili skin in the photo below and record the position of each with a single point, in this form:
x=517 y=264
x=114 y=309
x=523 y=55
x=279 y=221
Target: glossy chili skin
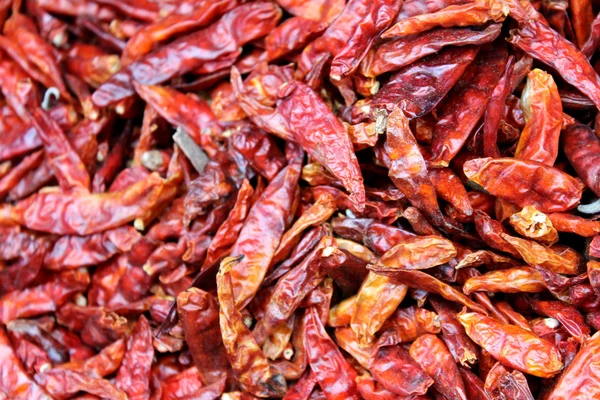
x=469 y=99
x=188 y=53
x=305 y=112
x=407 y=167
x=581 y=146
x=398 y=53
x=437 y=74
x=525 y=183
x=565 y=54
x=515 y=346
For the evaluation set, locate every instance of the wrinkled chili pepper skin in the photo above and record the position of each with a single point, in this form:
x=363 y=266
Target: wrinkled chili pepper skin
x=513 y=346
x=435 y=359
x=579 y=380
x=142 y=41
x=191 y=52
x=436 y=74
x=376 y=17
x=525 y=183
x=542 y=110
x=398 y=372
x=407 y=168
x=334 y=374
x=467 y=104
x=199 y=314
x=292 y=35
x=292 y=288
x=249 y=363
x=323 y=137
x=538 y=40
x=398 y=53
x=70 y=212
x=16 y=383
x=582 y=147
x=476 y=13
x=463 y=350
x=270 y=213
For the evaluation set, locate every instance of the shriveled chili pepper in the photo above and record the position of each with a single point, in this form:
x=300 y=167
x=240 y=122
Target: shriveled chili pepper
x=435 y=359
x=331 y=148
x=469 y=97
x=191 y=52
x=539 y=40
x=334 y=374
x=543 y=115
x=513 y=346
x=246 y=358
x=549 y=189
x=394 y=368
x=437 y=74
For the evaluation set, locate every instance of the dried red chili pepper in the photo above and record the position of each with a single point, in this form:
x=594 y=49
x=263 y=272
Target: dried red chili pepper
x=246 y=358
x=512 y=345
x=549 y=189
x=435 y=359
x=467 y=104
x=539 y=40
x=307 y=115
x=398 y=372
x=419 y=87
x=407 y=168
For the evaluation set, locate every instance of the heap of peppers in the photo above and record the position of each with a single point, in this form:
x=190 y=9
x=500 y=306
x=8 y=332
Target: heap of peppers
x=300 y=199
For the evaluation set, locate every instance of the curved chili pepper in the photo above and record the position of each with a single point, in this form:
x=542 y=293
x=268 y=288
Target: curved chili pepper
x=323 y=136
x=513 y=346
x=525 y=183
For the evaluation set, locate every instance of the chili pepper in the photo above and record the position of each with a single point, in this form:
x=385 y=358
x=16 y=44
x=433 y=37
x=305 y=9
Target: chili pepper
x=533 y=224
x=512 y=280
x=463 y=350
x=582 y=157
x=536 y=39
x=418 y=97
x=398 y=53
x=260 y=150
x=317 y=10
x=469 y=99
x=270 y=212
x=377 y=299
x=543 y=115
x=398 y=372
x=410 y=177
x=425 y=281
x=560 y=260
x=407 y=324
x=376 y=17
x=477 y=13
x=576 y=381
x=191 y=52
x=508 y=179
x=293 y=287
x=568 y=316
x=435 y=359
x=43 y=298
x=130 y=203
x=238 y=340
x=292 y=35
x=513 y=346
x=92 y=64
x=338 y=157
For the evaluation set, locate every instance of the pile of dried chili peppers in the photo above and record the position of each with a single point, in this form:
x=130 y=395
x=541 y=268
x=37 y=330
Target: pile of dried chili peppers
x=300 y=199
